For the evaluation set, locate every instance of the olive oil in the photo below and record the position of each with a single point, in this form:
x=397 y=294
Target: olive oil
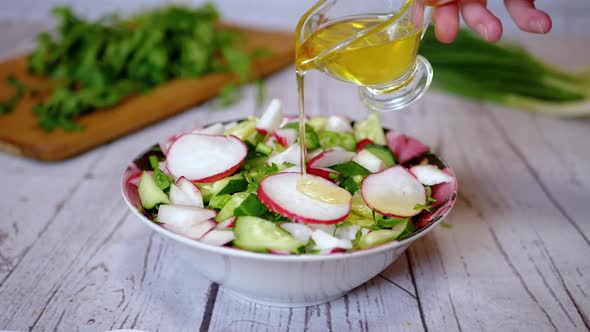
x=364 y=50
x=322 y=191
x=375 y=59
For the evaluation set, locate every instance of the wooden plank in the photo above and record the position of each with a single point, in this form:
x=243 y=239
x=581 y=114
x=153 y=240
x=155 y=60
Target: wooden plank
x=95 y=265
x=19 y=133
x=379 y=305
x=497 y=256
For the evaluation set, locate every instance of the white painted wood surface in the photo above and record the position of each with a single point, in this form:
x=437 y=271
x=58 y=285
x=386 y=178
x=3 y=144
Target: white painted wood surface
x=515 y=257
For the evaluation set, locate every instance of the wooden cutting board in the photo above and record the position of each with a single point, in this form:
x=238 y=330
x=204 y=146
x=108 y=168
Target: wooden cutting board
x=20 y=135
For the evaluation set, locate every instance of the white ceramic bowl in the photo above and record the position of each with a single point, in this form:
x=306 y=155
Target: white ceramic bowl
x=284 y=280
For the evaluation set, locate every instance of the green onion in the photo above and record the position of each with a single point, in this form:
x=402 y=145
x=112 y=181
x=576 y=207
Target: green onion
x=504 y=74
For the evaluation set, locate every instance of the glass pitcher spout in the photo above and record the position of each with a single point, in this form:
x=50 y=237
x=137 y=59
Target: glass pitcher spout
x=372 y=44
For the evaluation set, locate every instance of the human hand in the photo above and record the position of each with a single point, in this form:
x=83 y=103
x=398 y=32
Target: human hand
x=479 y=18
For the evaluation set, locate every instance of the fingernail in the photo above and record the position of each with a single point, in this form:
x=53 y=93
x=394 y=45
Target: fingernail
x=536 y=26
x=482 y=30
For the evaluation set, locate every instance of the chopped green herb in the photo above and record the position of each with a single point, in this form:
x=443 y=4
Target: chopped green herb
x=95 y=64
x=263 y=149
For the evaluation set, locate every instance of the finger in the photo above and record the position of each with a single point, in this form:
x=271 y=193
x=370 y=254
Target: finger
x=480 y=19
x=446 y=22
x=528 y=18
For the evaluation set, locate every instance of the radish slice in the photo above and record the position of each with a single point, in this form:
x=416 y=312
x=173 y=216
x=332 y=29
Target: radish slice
x=404 y=147
x=192 y=192
x=286 y=137
x=330 y=229
x=214 y=129
x=183 y=214
x=369 y=161
x=441 y=192
x=347 y=232
x=279 y=193
x=323 y=172
x=299 y=231
x=292 y=169
x=190 y=221
x=205 y=158
x=179 y=197
x=217 y=237
x=362 y=143
x=338 y=124
x=312 y=154
x=227 y=223
x=291 y=155
x=330 y=158
x=290 y=118
x=325 y=241
x=430 y=175
x=271 y=119
x=393 y=192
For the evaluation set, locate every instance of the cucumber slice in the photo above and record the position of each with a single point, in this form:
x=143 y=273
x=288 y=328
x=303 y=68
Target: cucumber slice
x=229 y=185
x=150 y=193
x=382 y=152
x=228 y=209
x=243 y=130
x=318 y=123
x=261 y=235
x=359 y=207
x=370 y=128
x=362 y=221
x=219 y=201
x=329 y=139
x=381 y=236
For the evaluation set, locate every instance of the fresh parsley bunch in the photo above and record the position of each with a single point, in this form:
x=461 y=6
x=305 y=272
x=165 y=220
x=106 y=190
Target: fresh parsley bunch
x=95 y=64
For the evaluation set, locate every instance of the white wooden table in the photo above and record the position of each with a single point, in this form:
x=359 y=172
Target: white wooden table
x=515 y=255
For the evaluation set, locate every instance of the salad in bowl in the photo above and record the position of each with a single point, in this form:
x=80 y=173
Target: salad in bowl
x=237 y=190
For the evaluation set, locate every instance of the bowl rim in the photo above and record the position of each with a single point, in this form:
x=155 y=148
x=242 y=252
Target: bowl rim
x=242 y=253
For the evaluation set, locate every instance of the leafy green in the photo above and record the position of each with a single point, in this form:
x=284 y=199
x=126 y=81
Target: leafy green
x=429 y=200
x=504 y=74
x=19 y=87
x=251 y=206
x=95 y=64
x=312 y=140
x=255 y=175
x=389 y=222
x=154 y=162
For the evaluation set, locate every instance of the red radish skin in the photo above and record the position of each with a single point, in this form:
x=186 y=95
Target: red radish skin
x=323 y=172
x=195 y=232
x=279 y=193
x=192 y=191
x=362 y=143
x=205 y=158
x=330 y=158
x=381 y=191
x=227 y=223
x=218 y=238
x=286 y=137
x=441 y=192
x=404 y=147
